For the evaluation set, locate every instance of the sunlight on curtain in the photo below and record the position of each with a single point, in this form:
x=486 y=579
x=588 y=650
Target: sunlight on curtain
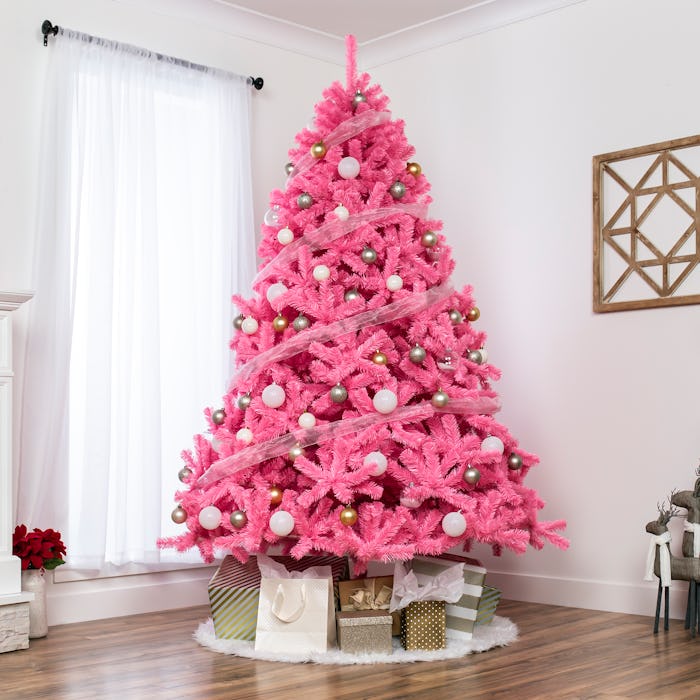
x=146 y=231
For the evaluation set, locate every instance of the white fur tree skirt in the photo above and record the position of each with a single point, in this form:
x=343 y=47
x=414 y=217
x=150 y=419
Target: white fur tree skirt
x=500 y=632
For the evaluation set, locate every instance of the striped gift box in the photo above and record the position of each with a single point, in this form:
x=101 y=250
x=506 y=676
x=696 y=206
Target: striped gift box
x=461 y=616
x=487 y=605
x=234 y=591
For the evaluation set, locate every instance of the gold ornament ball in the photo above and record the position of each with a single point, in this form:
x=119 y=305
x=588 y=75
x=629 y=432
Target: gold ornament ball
x=379 y=358
x=184 y=474
x=348 y=516
x=318 y=150
x=515 y=461
x=218 y=416
x=474 y=313
x=179 y=515
x=414 y=169
x=238 y=519
x=471 y=475
x=428 y=239
x=296 y=451
x=275 y=495
x=439 y=399
x=280 y=323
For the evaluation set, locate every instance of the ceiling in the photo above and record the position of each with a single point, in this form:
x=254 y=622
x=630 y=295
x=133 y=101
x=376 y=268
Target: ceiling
x=386 y=30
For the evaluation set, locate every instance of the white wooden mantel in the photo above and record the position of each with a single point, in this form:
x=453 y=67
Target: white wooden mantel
x=10 y=567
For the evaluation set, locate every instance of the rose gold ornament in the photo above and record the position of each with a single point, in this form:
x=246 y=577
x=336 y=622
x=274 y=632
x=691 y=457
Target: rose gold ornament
x=474 y=313
x=275 y=495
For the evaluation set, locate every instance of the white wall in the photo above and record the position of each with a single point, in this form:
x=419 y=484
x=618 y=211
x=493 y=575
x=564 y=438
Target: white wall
x=505 y=125
x=293 y=83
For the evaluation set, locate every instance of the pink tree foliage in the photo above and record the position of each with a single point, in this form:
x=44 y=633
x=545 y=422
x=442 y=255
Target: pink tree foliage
x=353 y=304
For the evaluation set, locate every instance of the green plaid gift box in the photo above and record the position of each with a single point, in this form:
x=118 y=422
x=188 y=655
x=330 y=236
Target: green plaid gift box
x=234 y=591
x=461 y=616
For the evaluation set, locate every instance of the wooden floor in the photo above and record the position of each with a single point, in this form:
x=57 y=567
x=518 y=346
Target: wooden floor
x=561 y=653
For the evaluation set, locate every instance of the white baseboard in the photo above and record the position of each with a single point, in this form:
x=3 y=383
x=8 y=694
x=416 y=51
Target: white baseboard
x=79 y=601
x=632 y=599
x=96 y=599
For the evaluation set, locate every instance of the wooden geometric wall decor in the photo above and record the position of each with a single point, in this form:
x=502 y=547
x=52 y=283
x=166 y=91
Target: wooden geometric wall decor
x=646 y=204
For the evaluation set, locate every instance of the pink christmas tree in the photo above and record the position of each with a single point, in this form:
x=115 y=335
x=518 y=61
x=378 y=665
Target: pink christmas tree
x=359 y=420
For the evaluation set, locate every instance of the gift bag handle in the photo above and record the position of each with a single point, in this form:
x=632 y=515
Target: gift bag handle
x=279 y=600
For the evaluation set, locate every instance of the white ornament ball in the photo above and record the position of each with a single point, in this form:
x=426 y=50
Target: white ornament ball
x=385 y=401
x=216 y=444
x=341 y=213
x=285 y=236
x=321 y=272
x=454 y=524
x=379 y=461
x=275 y=290
x=249 y=325
x=210 y=517
x=273 y=396
x=491 y=443
x=272 y=216
x=281 y=523
x=394 y=283
x=245 y=435
x=349 y=168
x=307 y=420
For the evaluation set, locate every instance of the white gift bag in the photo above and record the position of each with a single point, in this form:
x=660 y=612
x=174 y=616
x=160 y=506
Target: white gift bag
x=295 y=614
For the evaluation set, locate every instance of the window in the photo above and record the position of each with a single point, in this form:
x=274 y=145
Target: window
x=145 y=231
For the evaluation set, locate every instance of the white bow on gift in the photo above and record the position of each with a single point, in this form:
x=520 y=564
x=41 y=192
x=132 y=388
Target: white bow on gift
x=448 y=585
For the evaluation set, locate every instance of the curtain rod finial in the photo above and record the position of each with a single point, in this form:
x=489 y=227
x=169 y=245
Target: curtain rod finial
x=257 y=83
x=46 y=29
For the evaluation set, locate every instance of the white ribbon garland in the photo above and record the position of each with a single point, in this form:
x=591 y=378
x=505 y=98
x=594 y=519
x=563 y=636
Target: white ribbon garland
x=661 y=541
x=695 y=529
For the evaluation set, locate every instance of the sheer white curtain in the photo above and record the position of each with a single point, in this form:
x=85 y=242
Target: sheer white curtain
x=144 y=232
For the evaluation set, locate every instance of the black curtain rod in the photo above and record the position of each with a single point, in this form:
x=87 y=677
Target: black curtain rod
x=48 y=28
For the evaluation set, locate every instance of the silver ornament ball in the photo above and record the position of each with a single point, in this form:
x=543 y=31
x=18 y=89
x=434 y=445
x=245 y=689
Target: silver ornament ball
x=475 y=356
x=305 y=200
x=358 y=98
x=417 y=354
x=471 y=475
x=238 y=322
x=455 y=316
x=184 y=474
x=238 y=519
x=288 y=168
x=218 y=416
x=300 y=323
x=244 y=401
x=369 y=255
x=397 y=190
x=515 y=461
x=428 y=239
x=439 y=399
x=351 y=295
x=339 y=393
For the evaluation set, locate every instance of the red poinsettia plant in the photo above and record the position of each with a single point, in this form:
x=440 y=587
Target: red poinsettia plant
x=39 y=549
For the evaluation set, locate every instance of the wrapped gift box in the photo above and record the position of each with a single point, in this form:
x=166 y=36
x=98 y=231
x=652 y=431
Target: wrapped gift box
x=461 y=616
x=234 y=591
x=369 y=594
x=364 y=632
x=487 y=605
x=423 y=625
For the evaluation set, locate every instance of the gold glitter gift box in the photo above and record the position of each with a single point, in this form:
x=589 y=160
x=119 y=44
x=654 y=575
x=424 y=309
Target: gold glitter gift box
x=423 y=625
x=234 y=591
x=364 y=632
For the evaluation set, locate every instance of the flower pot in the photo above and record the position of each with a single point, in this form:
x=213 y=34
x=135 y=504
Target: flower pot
x=33 y=581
